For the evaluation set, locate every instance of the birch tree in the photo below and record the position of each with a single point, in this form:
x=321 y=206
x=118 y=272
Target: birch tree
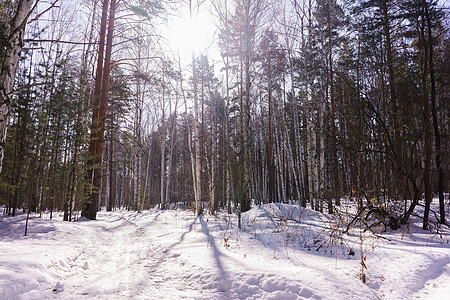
x=13 y=49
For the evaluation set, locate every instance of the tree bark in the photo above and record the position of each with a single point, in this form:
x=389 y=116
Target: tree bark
x=14 y=47
x=437 y=134
x=212 y=183
x=426 y=126
x=163 y=164
x=197 y=160
x=112 y=170
x=334 y=161
x=100 y=106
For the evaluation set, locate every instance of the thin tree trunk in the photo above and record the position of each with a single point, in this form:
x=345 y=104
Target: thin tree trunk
x=427 y=131
x=163 y=164
x=228 y=167
x=112 y=169
x=196 y=161
x=313 y=162
x=437 y=134
x=334 y=162
x=397 y=142
x=247 y=143
x=212 y=181
x=170 y=161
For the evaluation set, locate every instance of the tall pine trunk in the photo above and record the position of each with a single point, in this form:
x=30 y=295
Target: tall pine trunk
x=99 y=110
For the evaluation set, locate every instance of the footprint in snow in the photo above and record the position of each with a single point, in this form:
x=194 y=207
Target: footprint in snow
x=59 y=287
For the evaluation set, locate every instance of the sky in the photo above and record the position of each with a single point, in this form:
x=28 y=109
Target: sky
x=193 y=34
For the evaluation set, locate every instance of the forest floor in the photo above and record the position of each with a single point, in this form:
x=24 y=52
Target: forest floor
x=282 y=252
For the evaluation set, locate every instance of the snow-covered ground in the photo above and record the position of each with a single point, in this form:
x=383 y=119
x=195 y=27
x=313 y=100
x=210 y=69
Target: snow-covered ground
x=282 y=252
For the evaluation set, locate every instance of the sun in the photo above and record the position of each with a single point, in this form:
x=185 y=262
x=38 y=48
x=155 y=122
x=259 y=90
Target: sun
x=194 y=34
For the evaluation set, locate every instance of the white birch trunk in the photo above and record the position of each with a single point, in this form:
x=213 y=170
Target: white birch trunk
x=314 y=165
x=197 y=162
x=163 y=166
x=322 y=159
x=8 y=70
x=212 y=181
x=228 y=167
x=169 y=163
x=139 y=201
x=146 y=181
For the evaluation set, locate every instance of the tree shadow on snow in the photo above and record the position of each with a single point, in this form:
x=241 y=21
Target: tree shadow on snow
x=14 y=227
x=216 y=251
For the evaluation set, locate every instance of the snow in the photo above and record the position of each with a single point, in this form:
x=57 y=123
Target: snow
x=282 y=252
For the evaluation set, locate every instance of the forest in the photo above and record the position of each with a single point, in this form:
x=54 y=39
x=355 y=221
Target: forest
x=294 y=101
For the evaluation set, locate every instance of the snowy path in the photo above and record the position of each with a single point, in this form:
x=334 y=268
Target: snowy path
x=172 y=255
x=114 y=263
x=147 y=258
